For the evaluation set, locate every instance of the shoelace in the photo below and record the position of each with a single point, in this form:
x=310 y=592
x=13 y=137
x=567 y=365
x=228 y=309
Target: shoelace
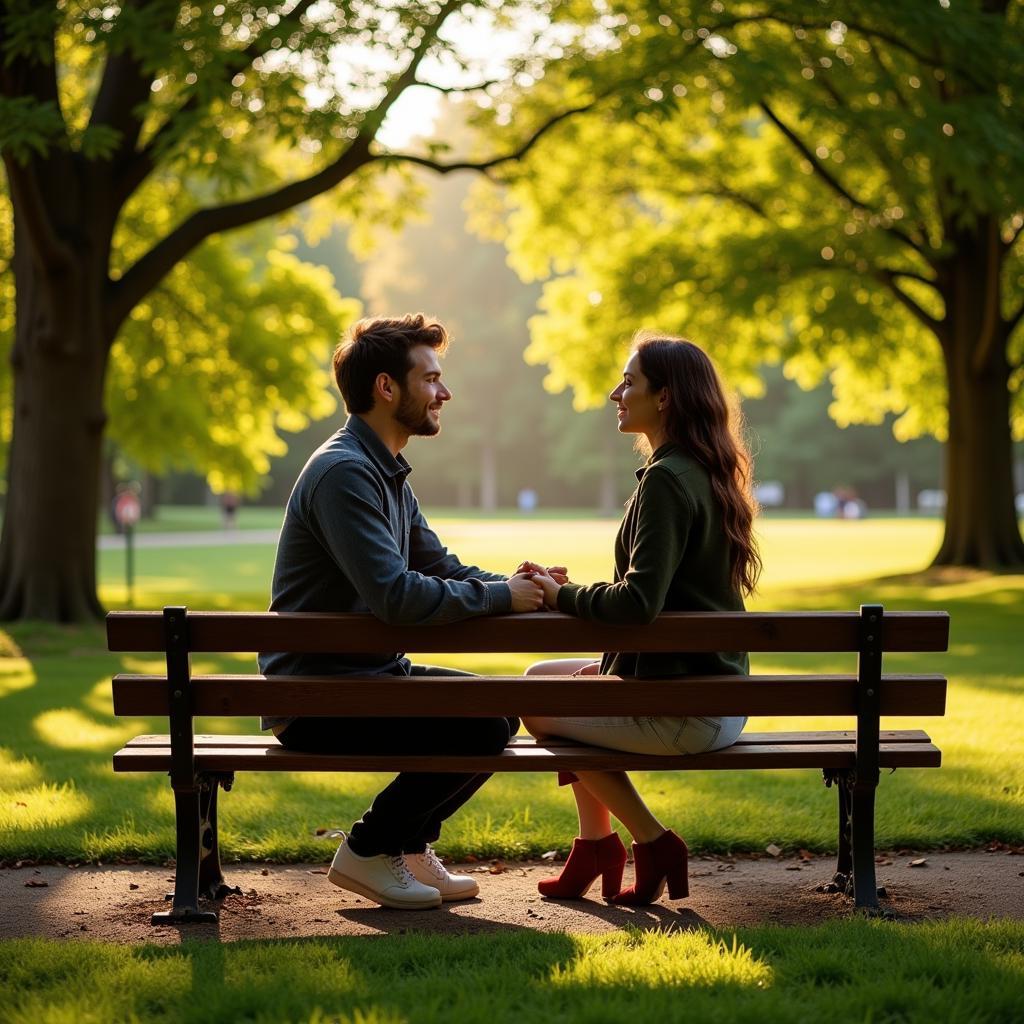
x=400 y=869
x=433 y=863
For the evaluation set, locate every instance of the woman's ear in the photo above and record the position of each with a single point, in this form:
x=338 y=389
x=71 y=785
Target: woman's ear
x=663 y=400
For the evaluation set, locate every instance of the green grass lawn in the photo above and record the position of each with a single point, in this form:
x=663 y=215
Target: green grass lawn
x=61 y=800
x=959 y=972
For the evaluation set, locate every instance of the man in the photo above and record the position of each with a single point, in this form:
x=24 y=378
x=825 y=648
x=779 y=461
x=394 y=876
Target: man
x=355 y=540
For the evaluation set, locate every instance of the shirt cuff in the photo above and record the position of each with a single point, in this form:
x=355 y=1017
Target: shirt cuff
x=567 y=597
x=500 y=598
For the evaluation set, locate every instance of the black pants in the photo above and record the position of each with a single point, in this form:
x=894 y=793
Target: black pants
x=406 y=815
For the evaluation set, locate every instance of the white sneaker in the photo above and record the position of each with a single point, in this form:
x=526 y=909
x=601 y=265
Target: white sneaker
x=426 y=868
x=384 y=879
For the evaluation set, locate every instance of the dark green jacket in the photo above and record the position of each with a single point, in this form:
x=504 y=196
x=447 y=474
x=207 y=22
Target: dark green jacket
x=671 y=554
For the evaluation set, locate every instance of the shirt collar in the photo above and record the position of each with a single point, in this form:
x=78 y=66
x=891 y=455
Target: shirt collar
x=656 y=456
x=388 y=464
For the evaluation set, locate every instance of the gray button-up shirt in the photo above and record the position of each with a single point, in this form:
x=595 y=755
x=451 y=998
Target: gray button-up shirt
x=354 y=540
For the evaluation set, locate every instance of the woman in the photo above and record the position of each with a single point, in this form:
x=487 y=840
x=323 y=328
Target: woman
x=686 y=544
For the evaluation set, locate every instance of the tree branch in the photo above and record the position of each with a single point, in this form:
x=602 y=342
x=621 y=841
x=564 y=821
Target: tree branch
x=911 y=275
x=51 y=253
x=149 y=269
x=1011 y=324
x=26 y=76
x=888 y=278
x=485 y=165
x=144 y=161
x=458 y=90
x=125 y=86
x=826 y=175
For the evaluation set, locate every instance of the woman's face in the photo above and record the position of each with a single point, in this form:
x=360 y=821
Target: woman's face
x=639 y=410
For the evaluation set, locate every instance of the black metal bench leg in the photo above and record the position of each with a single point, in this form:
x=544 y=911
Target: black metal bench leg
x=842 y=880
x=212 y=885
x=185 y=907
x=844 y=860
x=865 y=891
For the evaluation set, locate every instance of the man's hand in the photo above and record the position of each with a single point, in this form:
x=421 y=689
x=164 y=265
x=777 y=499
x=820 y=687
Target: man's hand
x=558 y=573
x=527 y=595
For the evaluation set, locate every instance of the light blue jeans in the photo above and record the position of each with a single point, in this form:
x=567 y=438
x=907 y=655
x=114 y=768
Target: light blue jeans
x=637 y=734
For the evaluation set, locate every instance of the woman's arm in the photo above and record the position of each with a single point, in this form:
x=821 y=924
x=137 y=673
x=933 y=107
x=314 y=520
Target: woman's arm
x=665 y=515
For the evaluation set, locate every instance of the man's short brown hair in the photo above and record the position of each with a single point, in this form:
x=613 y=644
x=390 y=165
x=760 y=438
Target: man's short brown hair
x=378 y=345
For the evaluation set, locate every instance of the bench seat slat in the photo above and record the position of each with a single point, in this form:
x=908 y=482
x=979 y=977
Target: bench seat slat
x=847 y=736
x=799 y=695
x=311 y=632
x=273 y=757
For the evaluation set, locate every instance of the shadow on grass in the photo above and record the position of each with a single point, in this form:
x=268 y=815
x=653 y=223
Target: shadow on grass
x=956 y=971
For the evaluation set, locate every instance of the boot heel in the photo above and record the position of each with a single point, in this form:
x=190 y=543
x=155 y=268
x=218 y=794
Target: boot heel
x=611 y=881
x=678 y=883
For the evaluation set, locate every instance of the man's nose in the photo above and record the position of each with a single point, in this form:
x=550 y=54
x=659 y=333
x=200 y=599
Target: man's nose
x=444 y=394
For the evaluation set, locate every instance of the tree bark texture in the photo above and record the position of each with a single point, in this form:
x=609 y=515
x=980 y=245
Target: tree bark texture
x=981 y=528
x=59 y=358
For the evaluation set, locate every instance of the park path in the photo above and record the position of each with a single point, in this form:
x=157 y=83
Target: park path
x=114 y=903
x=186 y=539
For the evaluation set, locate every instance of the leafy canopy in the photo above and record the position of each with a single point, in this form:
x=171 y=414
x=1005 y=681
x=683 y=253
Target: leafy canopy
x=780 y=183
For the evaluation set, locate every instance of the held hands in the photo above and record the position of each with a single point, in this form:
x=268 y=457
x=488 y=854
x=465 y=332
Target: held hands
x=527 y=593
x=558 y=573
x=550 y=587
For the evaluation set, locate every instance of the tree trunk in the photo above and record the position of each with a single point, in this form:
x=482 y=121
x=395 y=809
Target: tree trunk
x=48 y=545
x=981 y=521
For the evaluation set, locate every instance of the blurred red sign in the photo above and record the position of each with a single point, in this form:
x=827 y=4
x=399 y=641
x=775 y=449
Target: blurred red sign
x=127 y=509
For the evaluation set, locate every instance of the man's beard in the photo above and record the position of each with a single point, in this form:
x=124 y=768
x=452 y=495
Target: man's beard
x=415 y=418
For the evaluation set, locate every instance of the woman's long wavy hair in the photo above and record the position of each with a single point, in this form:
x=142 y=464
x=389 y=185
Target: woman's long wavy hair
x=705 y=425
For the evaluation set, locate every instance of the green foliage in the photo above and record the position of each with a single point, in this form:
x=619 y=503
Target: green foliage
x=228 y=347
x=680 y=203
x=229 y=350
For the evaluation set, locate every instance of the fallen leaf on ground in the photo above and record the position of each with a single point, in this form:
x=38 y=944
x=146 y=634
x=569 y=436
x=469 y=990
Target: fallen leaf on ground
x=319 y=871
x=133 y=885
x=919 y=863
x=497 y=868
x=793 y=867
x=773 y=849
x=36 y=883
x=805 y=855
x=549 y=855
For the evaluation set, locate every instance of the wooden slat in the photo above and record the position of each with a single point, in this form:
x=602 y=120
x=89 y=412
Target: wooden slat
x=274 y=757
x=203 y=741
x=541 y=632
x=387 y=696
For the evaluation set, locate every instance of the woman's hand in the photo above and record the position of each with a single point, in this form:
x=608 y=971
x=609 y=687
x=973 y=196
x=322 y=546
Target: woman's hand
x=550 y=586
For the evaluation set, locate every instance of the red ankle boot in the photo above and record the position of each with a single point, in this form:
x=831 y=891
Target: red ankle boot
x=655 y=864
x=588 y=859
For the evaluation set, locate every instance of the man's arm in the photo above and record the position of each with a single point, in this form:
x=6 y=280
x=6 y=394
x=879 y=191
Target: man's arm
x=347 y=509
x=429 y=556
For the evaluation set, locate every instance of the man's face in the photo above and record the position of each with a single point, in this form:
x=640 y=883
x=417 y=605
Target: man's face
x=421 y=398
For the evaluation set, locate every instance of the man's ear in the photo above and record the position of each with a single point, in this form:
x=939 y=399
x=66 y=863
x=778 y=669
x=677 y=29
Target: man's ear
x=384 y=388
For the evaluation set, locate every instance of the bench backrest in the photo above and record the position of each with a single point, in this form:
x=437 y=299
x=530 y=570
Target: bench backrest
x=546 y=632
x=869 y=633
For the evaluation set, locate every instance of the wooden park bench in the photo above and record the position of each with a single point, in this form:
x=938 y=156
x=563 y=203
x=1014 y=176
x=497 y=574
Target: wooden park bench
x=850 y=758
